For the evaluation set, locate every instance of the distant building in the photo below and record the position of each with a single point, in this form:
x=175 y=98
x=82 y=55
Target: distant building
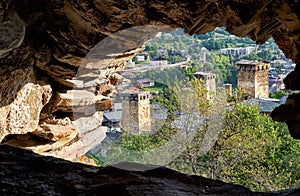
x=202 y=55
x=130 y=63
x=209 y=80
x=145 y=53
x=136 y=114
x=110 y=139
x=139 y=58
x=253 y=78
x=228 y=89
x=277 y=63
x=128 y=74
x=242 y=51
x=158 y=112
x=158 y=61
x=276 y=82
x=146 y=82
x=133 y=88
x=266 y=106
x=116 y=107
x=112 y=120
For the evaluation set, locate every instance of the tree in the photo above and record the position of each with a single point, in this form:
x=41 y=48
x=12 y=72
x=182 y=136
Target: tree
x=278 y=94
x=251 y=149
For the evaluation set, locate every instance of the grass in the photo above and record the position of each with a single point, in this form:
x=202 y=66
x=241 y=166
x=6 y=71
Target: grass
x=158 y=87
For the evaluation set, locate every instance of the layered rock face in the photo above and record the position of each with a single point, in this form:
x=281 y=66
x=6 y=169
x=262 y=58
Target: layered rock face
x=56 y=82
x=48 y=79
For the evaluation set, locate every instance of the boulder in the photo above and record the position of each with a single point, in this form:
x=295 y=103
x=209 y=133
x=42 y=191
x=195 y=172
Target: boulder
x=21 y=102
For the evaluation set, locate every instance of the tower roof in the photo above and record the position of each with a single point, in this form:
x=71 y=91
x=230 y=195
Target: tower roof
x=201 y=74
x=247 y=62
x=248 y=65
x=250 y=62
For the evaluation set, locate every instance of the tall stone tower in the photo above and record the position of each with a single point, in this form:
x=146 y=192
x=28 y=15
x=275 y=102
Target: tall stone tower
x=136 y=116
x=253 y=78
x=209 y=80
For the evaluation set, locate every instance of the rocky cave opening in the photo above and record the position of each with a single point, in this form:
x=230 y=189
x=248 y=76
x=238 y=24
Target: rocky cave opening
x=44 y=45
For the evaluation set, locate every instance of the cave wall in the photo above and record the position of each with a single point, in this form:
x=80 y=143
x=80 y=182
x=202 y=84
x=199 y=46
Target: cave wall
x=44 y=44
x=51 y=176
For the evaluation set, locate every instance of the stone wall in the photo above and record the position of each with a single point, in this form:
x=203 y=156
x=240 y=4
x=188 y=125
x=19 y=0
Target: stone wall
x=262 y=80
x=253 y=78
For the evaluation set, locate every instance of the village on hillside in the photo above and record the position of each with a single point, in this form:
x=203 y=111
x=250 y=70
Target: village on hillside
x=135 y=110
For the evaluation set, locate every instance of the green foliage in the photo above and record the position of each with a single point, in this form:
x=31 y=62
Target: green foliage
x=98 y=160
x=250 y=151
x=254 y=151
x=278 y=94
x=142 y=62
x=227 y=72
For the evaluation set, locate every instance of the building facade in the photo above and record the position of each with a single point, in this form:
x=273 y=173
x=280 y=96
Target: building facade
x=157 y=61
x=136 y=114
x=228 y=89
x=253 y=78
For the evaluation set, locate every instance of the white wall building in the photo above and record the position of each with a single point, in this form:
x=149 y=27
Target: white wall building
x=158 y=61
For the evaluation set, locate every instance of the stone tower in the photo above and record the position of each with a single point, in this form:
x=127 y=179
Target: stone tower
x=228 y=89
x=136 y=116
x=209 y=80
x=253 y=78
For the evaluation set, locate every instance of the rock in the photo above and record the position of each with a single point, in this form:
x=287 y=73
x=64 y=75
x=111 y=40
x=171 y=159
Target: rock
x=54 y=132
x=292 y=81
x=290 y=114
x=86 y=141
x=22 y=102
x=62 y=140
x=70 y=43
x=56 y=137
x=52 y=176
x=89 y=123
x=78 y=101
x=12 y=31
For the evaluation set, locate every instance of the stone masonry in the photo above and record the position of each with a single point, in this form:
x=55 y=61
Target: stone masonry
x=136 y=116
x=253 y=78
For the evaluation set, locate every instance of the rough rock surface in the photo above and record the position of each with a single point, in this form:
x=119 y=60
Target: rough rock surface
x=53 y=38
x=22 y=100
x=51 y=176
x=44 y=47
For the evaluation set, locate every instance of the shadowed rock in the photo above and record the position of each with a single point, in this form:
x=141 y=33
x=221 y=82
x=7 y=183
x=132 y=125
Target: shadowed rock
x=25 y=173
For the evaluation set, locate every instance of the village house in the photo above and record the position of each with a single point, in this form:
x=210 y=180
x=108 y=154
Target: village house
x=145 y=82
x=266 y=106
x=128 y=74
x=139 y=58
x=130 y=63
x=241 y=51
x=112 y=120
x=202 y=55
x=158 y=61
